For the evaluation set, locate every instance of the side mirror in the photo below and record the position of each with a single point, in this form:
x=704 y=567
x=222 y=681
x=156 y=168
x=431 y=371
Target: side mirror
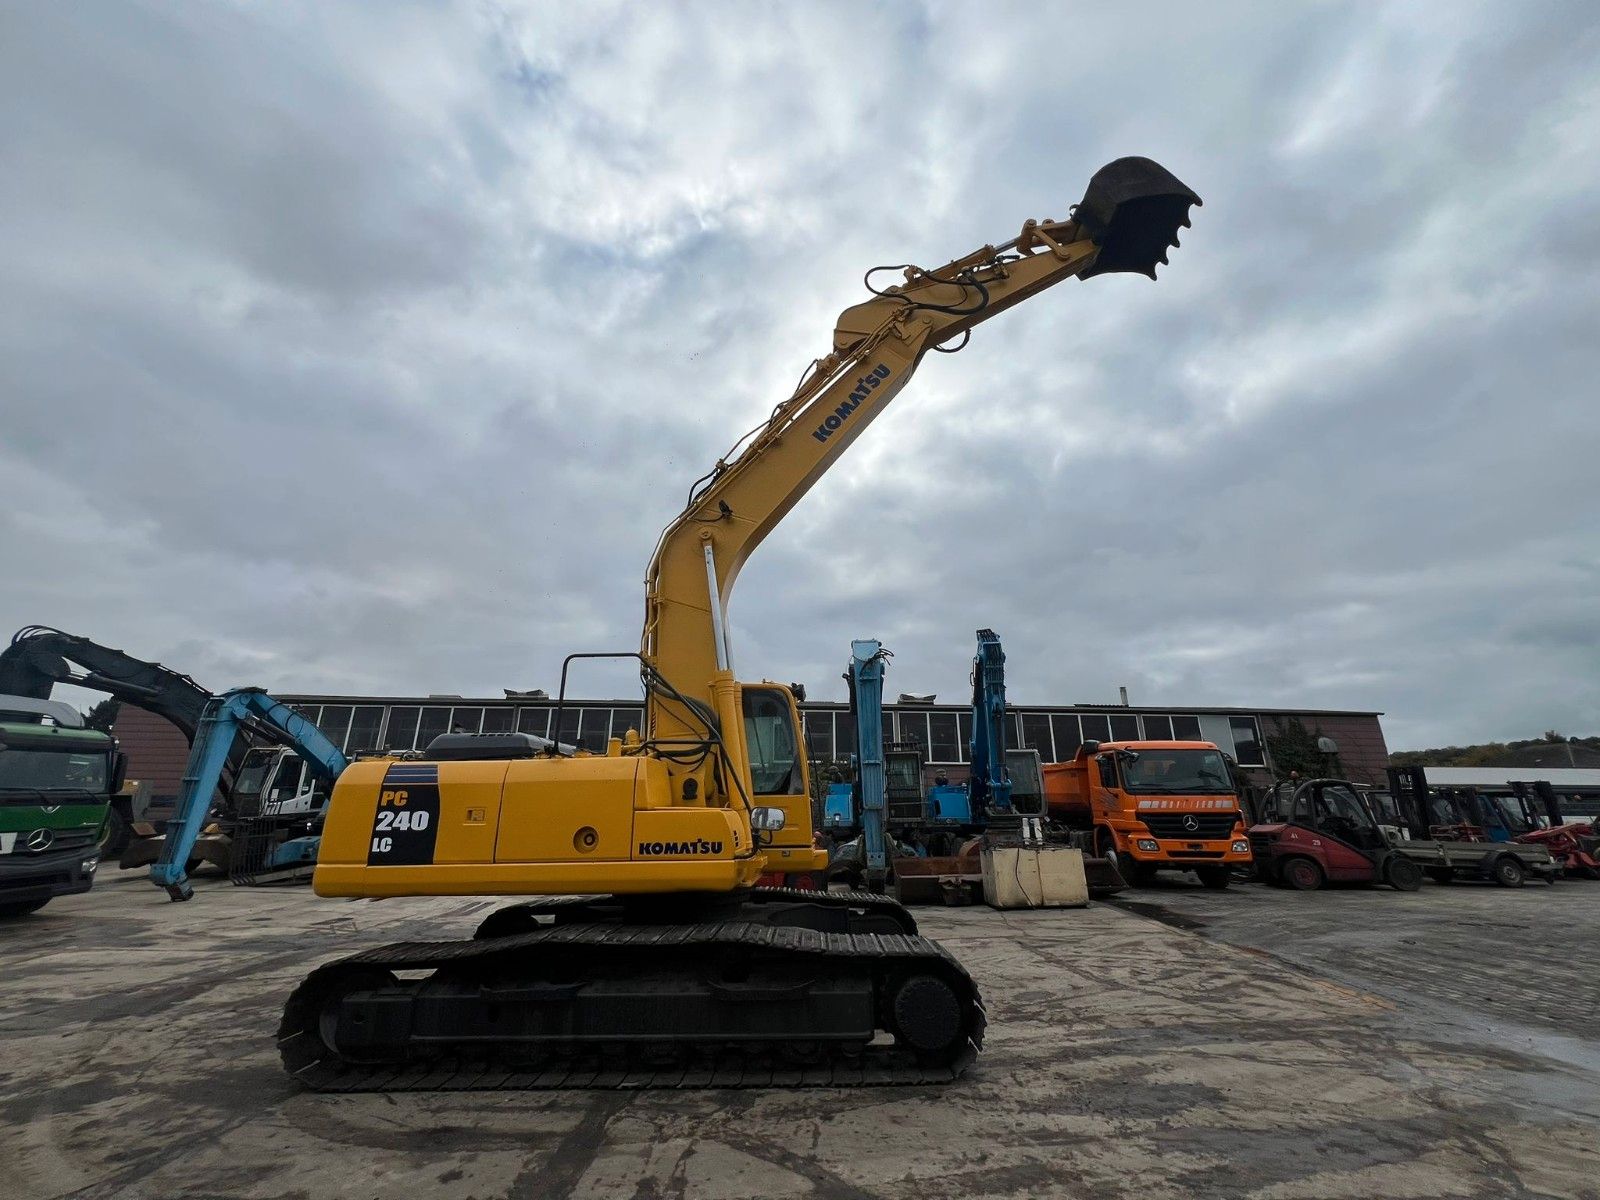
x=767 y=820
x=119 y=771
x=764 y=822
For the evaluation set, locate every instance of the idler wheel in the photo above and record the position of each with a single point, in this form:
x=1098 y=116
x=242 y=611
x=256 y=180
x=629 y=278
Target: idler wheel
x=927 y=1014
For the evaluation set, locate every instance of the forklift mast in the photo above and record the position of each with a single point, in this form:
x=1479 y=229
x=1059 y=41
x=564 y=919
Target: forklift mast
x=1409 y=787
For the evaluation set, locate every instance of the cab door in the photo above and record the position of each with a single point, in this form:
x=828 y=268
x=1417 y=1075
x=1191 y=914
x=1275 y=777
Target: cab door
x=778 y=763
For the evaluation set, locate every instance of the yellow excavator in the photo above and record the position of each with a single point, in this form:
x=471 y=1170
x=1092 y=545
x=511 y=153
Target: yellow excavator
x=652 y=957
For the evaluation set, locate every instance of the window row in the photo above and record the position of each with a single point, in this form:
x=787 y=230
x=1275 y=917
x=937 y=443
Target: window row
x=830 y=734
x=366 y=728
x=945 y=735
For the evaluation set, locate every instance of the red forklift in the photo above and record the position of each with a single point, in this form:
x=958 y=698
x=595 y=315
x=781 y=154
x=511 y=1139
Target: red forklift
x=1574 y=845
x=1318 y=832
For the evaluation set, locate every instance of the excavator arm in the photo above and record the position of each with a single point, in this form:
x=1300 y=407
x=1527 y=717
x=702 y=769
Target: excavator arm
x=989 y=787
x=868 y=659
x=1128 y=219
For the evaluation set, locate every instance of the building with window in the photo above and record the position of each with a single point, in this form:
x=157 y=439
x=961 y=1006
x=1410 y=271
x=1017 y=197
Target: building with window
x=358 y=724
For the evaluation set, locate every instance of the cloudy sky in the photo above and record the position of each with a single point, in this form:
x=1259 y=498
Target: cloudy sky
x=366 y=348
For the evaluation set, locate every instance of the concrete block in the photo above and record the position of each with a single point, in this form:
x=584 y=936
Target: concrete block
x=1034 y=877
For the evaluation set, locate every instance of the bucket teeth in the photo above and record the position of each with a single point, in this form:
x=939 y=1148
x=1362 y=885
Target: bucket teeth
x=1133 y=209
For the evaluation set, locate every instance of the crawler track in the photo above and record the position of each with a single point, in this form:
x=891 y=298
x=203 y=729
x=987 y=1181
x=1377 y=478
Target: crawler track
x=595 y=1002
x=829 y=912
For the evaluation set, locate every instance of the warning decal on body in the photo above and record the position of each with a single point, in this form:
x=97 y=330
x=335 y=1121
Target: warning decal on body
x=406 y=821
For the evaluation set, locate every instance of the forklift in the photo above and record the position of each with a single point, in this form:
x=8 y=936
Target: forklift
x=1318 y=832
x=1449 y=838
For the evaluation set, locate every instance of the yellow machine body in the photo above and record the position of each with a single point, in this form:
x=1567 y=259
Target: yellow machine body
x=623 y=822
x=535 y=826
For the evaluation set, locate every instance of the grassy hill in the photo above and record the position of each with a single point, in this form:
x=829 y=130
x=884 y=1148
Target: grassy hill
x=1551 y=750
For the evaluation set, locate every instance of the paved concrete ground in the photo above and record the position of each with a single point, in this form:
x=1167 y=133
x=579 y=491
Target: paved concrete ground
x=1346 y=1044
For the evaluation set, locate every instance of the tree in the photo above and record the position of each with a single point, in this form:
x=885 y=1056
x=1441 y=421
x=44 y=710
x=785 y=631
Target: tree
x=104 y=714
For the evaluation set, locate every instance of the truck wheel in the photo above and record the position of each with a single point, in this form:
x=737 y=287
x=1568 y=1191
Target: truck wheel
x=114 y=837
x=1508 y=871
x=1400 y=873
x=1441 y=874
x=23 y=907
x=1301 y=874
x=1215 y=878
x=1134 y=873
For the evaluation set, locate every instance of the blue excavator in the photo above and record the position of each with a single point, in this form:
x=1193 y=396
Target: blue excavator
x=275 y=829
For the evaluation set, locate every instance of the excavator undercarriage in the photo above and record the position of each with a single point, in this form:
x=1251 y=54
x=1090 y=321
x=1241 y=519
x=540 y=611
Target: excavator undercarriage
x=781 y=987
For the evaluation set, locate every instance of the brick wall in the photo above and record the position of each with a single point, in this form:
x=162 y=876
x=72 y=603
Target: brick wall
x=157 y=751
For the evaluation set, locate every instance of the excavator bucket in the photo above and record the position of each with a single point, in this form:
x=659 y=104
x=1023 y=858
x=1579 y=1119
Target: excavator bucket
x=1133 y=210
x=1102 y=876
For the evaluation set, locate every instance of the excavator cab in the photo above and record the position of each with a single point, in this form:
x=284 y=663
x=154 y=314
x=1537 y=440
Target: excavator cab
x=780 y=784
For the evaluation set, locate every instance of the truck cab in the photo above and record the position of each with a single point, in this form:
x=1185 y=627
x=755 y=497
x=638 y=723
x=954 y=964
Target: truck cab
x=56 y=783
x=1152 y=806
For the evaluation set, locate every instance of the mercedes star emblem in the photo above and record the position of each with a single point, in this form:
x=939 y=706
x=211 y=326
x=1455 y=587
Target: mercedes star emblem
x=39 y=839
x=1191 y=823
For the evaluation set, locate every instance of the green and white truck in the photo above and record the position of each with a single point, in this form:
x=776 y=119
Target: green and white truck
x=56 y=783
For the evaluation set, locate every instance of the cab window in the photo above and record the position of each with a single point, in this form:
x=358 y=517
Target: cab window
x=287 y=785
x=770 y=737
x=1339 y=812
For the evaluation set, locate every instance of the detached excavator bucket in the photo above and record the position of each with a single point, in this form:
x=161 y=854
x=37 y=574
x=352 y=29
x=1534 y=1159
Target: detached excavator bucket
x=1102 y=876
x=1133 y=210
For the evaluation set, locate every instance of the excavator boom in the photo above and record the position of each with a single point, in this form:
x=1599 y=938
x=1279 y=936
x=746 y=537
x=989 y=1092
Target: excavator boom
x=1128 y=219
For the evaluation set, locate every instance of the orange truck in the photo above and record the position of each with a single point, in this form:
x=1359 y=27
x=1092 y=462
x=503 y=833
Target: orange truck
x=1151 y=806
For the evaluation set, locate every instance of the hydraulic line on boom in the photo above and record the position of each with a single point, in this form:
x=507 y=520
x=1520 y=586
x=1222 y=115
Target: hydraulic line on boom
x=654 y=958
